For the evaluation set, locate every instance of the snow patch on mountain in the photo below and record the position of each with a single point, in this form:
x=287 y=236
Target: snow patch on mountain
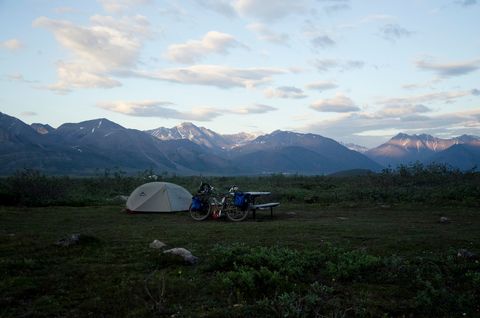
x=201 y=136
x=355 y=147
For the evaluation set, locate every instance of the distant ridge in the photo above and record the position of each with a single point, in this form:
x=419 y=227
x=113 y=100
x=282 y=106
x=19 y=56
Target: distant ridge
x=84 y=148
x=404 y=149
x=312 y=153
x=201 y=136
x=463 y=156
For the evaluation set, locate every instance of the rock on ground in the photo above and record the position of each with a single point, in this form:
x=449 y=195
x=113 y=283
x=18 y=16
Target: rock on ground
x=74 y=239
x=466 y=254
x=184 y=253
x=119 y=199
x=157 y=244
x=444 y=220
x=69 y=240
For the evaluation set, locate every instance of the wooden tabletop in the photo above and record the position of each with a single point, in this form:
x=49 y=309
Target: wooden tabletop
x=257 y=193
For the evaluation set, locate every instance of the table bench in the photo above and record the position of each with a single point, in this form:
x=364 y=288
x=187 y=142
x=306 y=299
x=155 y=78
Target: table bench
x=263 y=206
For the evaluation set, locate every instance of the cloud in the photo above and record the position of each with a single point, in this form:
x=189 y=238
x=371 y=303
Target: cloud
x=108 y=43
x=266 y=34
x=213 y=75
x=393 y=32
x=321 y=86
x=12 y=44
x=378 y=17
x=254 y=109
x=288 y=92
x=336 y=7
x=332 y=6
x=466 y=3
x=194 y=50
x=414 y=117
x=428 y=84
x=475 y=92
x=119 y=6
x=65 y=10
x=399 y=111
x=266 y=11
x=28 y=114
x=445 y=97
x=405 y=114
x=163 y=109
x=333 y=1
x=175 y=11
x=325 y=65
x=136 y=27
x=108 y=46
x=338 y=104
x=352 y=64
x=17 y=77
x=76 y=75
x=158 y=109
x=449 y=69
x=269 y=11
x=223 y=7
x=322 y=41
x=369 y=127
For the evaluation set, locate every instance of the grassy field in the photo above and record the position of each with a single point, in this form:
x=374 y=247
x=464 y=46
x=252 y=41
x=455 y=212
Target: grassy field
x=308 y=261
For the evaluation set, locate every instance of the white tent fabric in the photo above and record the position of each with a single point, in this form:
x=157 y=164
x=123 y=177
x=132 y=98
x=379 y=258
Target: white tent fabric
x=159 y=197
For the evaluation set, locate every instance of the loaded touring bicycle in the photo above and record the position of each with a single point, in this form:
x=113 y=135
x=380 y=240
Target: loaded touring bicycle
x=234 y=204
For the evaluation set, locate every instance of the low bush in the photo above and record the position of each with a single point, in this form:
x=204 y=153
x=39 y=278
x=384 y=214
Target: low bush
x=408 y=184
x=278 y=281
x=350 y=265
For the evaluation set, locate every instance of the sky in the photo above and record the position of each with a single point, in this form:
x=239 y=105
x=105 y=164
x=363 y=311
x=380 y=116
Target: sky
x=356 y=71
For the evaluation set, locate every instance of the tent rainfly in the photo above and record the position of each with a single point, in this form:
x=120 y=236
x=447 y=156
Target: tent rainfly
x=159 y=197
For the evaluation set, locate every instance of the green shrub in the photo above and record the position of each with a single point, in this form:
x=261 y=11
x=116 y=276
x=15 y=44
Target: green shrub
x=250 y=273
x=350 y=264
x=32 y=188
x=415 y=183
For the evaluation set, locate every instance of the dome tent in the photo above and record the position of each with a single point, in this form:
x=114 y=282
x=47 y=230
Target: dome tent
x=159 y=197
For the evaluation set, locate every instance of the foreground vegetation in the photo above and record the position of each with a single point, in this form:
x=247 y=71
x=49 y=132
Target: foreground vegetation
x=308 y=261
x=412 y=184
x=367 y=246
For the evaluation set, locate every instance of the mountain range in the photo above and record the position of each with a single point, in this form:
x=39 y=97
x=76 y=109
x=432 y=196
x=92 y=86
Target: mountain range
x=460 y=152
x=85 y=147
x=201 y=136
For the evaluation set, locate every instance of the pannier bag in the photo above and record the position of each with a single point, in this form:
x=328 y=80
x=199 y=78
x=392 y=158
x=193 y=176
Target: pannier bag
x=196 y=203
x=240 y=200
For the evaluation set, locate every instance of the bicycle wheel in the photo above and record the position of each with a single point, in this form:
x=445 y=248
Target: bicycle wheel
x=234 y=213
x=200 y=214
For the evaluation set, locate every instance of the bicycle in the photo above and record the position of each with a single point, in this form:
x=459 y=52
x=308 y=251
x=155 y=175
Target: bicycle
x=209 y=203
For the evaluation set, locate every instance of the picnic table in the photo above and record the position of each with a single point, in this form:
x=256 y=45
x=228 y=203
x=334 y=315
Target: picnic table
x=262 y=206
